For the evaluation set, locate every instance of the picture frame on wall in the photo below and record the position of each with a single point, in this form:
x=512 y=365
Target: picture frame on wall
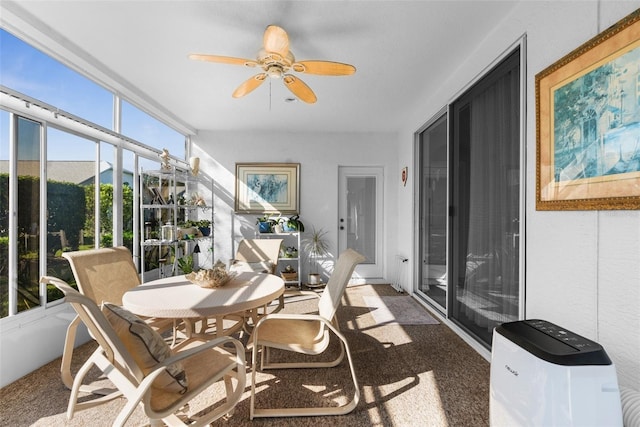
x=267 y=188
x=588 y=124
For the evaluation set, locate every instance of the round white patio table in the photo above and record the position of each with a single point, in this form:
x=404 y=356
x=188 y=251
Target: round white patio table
x=177 y=298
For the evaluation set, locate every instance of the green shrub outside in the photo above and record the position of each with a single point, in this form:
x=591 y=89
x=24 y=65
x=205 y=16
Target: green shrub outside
x=70 y=208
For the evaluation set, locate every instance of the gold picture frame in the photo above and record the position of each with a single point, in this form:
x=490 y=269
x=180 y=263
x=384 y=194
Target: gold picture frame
x=267 y=188
x=588 y=124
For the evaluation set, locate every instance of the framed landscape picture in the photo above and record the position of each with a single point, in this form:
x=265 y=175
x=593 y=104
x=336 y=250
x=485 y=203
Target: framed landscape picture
x=267 y=188
x=588 y=124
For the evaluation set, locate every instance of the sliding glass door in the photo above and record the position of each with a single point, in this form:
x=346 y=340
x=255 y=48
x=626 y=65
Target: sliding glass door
x=485 y=202
x=469 y=206
x=432 y=273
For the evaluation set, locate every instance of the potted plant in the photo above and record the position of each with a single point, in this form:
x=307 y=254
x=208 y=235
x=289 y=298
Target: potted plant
x=265 y=224
x=316 y=246
x=290 y=252
x=293 y=224
x=289 y=274
x=204 y=225
x=185 y=263
x=277 y=224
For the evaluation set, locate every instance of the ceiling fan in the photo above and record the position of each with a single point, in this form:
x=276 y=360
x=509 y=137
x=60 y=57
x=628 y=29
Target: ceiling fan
x=276 y=61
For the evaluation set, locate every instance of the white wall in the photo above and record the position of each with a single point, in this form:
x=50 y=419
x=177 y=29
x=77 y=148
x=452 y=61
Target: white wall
x=319 y=155
x=33 y=339
x=582 y=267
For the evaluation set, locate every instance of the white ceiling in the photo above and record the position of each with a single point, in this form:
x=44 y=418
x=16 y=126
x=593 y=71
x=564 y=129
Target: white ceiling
x=401 y=49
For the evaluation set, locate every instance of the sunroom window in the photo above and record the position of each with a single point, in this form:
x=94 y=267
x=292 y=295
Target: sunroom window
x=68 y=202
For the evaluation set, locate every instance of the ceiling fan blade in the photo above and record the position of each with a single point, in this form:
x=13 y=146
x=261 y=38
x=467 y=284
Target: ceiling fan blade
x=249 y=85
x=299 y=89
x=276 y=40
x=223 y=59
x=325 y=68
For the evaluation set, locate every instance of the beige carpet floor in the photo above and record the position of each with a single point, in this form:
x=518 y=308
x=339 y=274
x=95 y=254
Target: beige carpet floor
x=409 y=375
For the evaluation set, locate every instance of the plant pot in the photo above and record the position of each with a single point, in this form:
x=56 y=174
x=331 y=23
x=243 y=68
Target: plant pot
x=183 y=232
x=205 y=231
x=288 y=229
x=314 y=279
x=289 y=276
x=264 y=227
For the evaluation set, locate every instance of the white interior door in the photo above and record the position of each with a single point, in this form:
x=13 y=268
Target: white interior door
x=360 y=216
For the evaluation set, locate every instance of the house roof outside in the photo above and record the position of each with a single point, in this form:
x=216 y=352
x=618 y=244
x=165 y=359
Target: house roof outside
x=80 y=172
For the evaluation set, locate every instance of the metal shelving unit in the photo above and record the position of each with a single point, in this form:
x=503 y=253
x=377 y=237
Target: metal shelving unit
x=168 y=198
x=289 y=239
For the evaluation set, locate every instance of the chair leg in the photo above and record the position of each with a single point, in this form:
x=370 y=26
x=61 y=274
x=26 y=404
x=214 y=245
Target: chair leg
x=77 y=383
x=253 y=379
x=227 y=408
x=228 y=386
x=65 y=366
x=106 y=394
x=69 y=342
x=127 y=410
x=265 y=362
x=306 y=412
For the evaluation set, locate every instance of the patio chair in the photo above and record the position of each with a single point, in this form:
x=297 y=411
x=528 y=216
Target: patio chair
x=102 y=275
x=307 y=334
x=258 y=256
x=146 y=372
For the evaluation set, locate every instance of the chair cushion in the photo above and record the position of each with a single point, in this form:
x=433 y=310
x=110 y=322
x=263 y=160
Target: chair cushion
x=147 y=347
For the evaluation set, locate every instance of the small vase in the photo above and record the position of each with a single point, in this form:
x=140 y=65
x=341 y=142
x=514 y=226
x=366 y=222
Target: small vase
x=194 y=163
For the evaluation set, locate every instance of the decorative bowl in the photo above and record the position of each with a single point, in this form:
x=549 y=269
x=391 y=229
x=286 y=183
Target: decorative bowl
x=213 y=278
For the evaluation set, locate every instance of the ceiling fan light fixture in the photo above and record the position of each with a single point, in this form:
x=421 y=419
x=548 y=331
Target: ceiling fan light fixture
x=275 y=72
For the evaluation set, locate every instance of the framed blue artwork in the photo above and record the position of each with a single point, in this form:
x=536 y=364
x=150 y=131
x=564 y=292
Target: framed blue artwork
x=588 y=124
x=267 y=188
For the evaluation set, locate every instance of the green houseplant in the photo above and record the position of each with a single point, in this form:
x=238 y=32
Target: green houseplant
x=185 y=264
x=204 y=225
x=317 y=246
x=293 y=224
x=266 y=223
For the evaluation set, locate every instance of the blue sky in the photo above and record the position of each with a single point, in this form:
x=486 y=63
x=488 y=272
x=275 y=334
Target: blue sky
x=29 y=71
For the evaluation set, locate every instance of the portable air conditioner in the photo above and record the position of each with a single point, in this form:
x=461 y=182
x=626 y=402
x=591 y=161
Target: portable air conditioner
x=544 y=375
